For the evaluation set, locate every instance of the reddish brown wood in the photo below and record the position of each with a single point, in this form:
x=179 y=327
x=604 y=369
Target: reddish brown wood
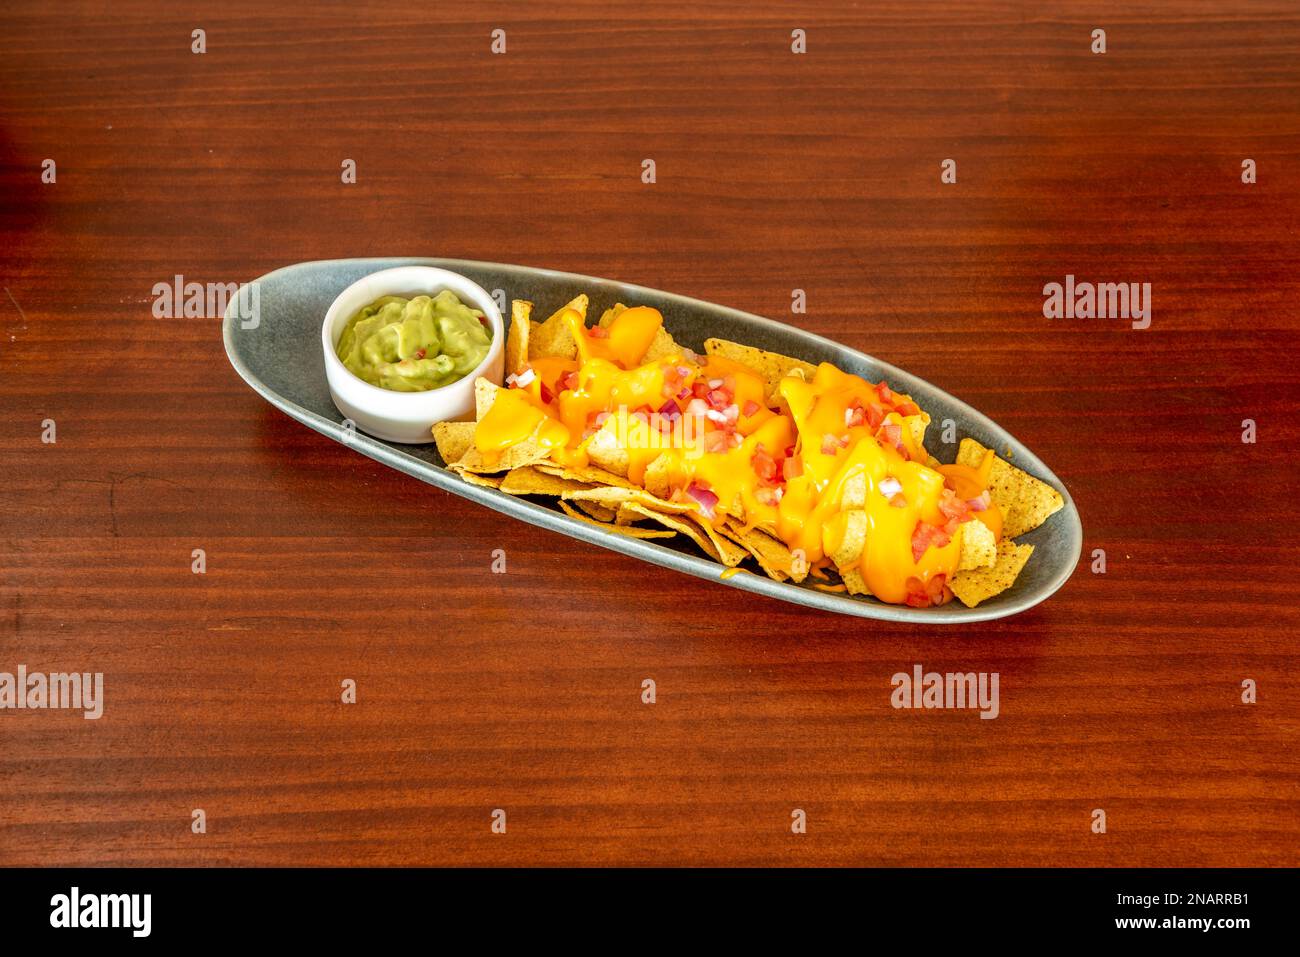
x=522 y=691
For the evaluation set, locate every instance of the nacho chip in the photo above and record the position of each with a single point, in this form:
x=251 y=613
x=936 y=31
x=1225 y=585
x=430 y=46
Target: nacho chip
x=605 y=450
x=678 y=523
x=554 y=337
x=853 y=492
x=656 y=477
x=772 y=554
x=615 y=496
x=610 y=314
x=601 y=513
x=854 y=582
x=485 y=393
x=979 y=546
x=529 y=480
x=516 y=456
x=1025 y=501
x=979 y=584
x=517 y=337
x=663 y=345
x=848 y=532
x=730 y=553
x=631 y=531
x=453 y=439
x=591 y=474
x=490 y=481
x=772 y=366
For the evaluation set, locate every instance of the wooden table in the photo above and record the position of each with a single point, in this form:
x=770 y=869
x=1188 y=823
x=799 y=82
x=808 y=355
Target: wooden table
x=775 y=171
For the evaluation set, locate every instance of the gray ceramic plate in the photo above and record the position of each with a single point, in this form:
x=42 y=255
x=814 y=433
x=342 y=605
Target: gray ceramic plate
x=281 y=359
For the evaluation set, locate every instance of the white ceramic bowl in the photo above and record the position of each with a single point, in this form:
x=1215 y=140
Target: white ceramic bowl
x=407 y=417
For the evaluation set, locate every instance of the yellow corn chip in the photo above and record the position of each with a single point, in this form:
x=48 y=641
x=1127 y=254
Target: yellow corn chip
x=729 y=552
x=614 y=496
x=663 y=345
x=850 y=529
x=591 y=474
x=772 y=366
x=854 y=582
x=453 y=439
x=609 y=315
x=491 y=481
x=1025 y=501
x=517 y=337
x=485 y=393
x=979 y=584
x=979 y=546
x=772 y=554
x=600 y=513
x=631 y=531
x=529 y=480
x=678 y=523
x=656 y=477
x=554 y=337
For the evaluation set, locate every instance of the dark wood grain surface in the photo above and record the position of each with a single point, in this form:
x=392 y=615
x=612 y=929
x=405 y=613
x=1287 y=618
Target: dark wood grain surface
x=522 y=691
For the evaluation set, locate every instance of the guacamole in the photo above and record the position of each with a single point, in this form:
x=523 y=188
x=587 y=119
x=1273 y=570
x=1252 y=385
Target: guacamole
x=414 y=345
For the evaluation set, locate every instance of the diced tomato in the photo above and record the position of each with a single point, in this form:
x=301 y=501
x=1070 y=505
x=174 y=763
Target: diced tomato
x=791 y=467
x=764 y=466
x=925 y=536
x=598 y=332
x=831 y=444
x=569 y=382
x=952 y=507
x=716 y=441
x=898 y=500
x=547 y=395
x=718 y=399
x=886 y=394
x=875 y=415
x=751 y=408
x=891 y=434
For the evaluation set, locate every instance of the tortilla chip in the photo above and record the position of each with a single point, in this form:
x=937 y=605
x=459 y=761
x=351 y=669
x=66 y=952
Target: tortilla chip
x=529 y=480
x=772 y=366
x=918 y=424
x=609 y=315
x=978 y=584
x=1025 y=501
x=631 y=531
x=527 y=452
x=601 y=513
x=656 y=477
x=491 y=481
x=453 y=439
x=591 y=474
x=853 y=493
x=730 y=553
x=517 y=337
x=678 y=523
x=772 y=554
x=979 y=546
x=854 y=582
x=554 y=337
x=663 y=345
x=852 y=528
x=485 y=393
x=615 y=496
x=605 y=450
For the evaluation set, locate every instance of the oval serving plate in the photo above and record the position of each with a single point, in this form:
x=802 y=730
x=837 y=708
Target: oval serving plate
x=280 y=357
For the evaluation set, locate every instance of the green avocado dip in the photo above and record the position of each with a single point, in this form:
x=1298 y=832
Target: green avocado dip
x=414 y=345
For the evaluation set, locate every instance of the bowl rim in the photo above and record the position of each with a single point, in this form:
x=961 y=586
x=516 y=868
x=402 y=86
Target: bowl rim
x=334 y=364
